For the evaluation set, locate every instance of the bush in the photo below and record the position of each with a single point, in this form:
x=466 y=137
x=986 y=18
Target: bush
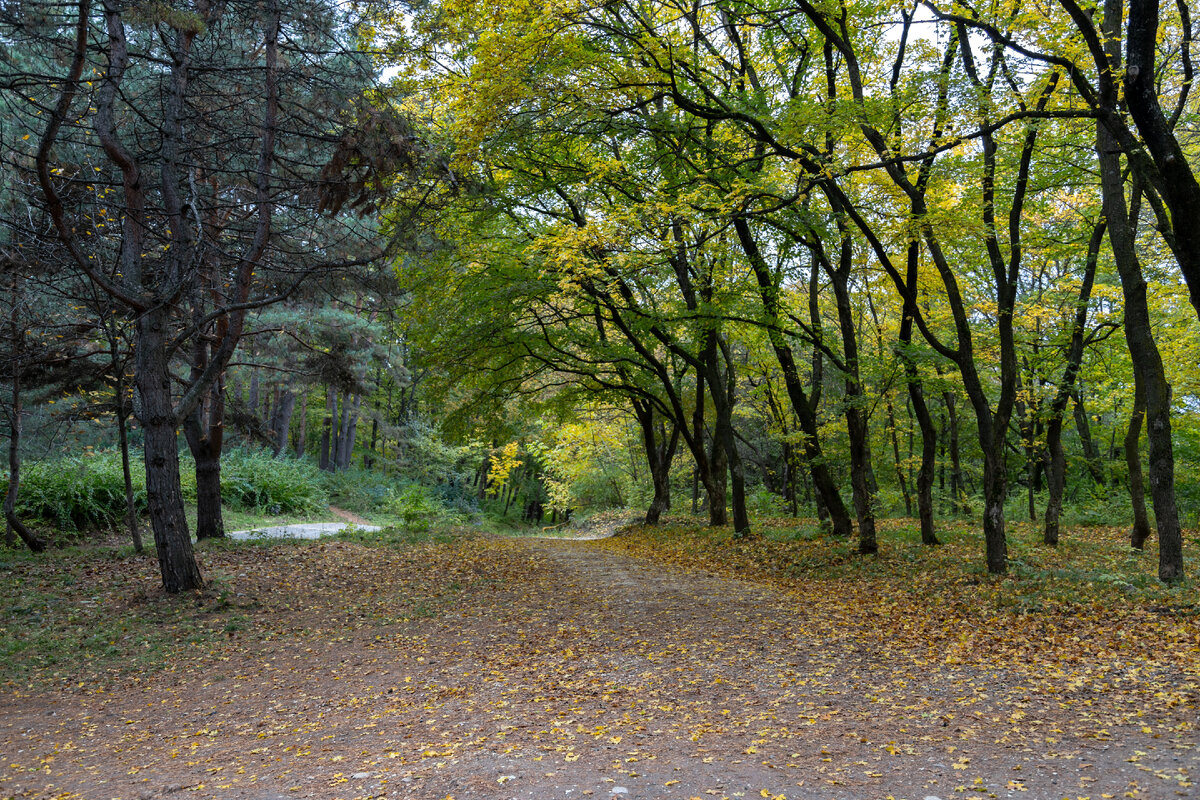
x=763 y=503
x=257 y=480
x=78 y=493
x=415 y=508
x=357 y=489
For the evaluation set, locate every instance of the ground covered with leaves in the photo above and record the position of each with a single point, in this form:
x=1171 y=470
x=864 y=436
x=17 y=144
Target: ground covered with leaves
x=667 y=663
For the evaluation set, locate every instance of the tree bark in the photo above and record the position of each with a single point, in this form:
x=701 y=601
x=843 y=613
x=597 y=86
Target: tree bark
x=302 y=431
x=1083 y=427
x=1138 y=332
x=901 y=480
x=131 y=519
x=14 y=452
x=717 y=486
x=1175 y=182
x=660 y=450
x=722 y=383
x=325 y=461
x=862 y=477
x=172 y=541
x=1133 y=462
x=351 y=403
x=209 y=521
x=958 y=486
x=916 y=399
x=204 y=431
x=824 y=486
x=252 y=395
x=281 y=422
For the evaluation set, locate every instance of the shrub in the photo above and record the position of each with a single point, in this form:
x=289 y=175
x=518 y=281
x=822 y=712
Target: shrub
x=259 y=481
x=356 y=489
x=77 y=493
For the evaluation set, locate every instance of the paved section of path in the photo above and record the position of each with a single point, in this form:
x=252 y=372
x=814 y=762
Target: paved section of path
x=309 y=530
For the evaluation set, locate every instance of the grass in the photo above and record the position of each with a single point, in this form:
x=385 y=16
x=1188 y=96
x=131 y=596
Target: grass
x=397 y=536
x=76 y=610
x=95 y=612
x=1091 y=565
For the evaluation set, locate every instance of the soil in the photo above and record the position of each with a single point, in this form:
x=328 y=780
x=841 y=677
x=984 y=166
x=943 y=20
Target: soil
x=565 y=669
x=348 y=516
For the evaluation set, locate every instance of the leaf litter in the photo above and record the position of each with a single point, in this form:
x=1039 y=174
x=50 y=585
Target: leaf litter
x=650 y=665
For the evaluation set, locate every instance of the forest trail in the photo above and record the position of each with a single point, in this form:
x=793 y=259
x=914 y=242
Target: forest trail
x=566 y=669
x=348 y=516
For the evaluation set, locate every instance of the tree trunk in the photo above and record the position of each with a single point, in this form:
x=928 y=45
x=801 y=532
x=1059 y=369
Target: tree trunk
x=326 y=462
x=14 y=458
x=281 y=422
x=724 y=441
x=805 y=410
x=929 y=437
x=660 y=450
x=958 y=486
x=131 y=520
x=789 y=480
x=338 y=401
x=172 y=541
x=717 y=484
x=1083 y=427
x=918 y=409
x=342 y=420
x=252 y=396
x=1175 y=181
x=862 y=475
x=302 y=431
x=1144 y=351
x=901 y=481
x=209 y=522
x=351 y=404
x=928 y=460
x=710 y=464
x=1024 y=413
x=204 y=430
x=368 y=459
x=1133 y=461
x=1056 y=478
x=121 y=410
x=1056 y=461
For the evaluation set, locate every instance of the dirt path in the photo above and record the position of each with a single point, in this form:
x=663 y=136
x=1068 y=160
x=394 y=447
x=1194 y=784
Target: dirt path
x=571 y=671
x=348 y=516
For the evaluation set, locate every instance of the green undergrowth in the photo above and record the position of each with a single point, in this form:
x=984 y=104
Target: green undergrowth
x=398 y=536
x=393 y=501
x=1091 y=566
x=65 y=497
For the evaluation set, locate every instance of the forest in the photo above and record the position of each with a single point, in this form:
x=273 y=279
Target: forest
x=660 y=399
x=840 y=262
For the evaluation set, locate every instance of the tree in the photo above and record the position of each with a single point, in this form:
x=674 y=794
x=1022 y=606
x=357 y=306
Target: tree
x=206 y=193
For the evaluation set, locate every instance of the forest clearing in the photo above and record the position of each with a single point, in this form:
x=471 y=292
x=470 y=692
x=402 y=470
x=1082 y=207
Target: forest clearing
x=676 y=665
